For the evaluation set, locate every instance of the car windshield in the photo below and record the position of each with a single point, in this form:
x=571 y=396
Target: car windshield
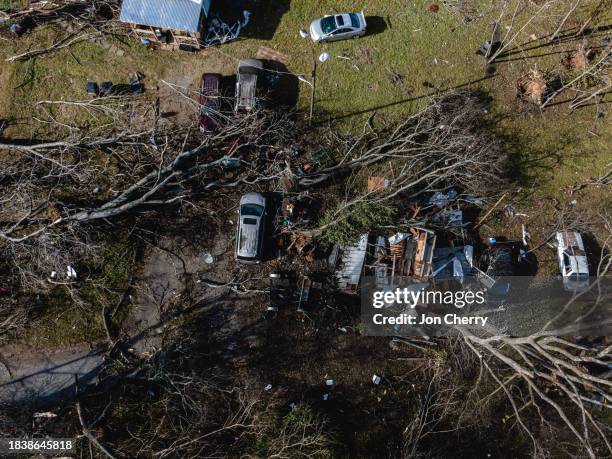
x=251 y=209
x=328 y=24
x=355 y=20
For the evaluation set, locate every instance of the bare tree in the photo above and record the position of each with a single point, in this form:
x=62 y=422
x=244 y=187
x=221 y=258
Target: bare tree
x=444 y=145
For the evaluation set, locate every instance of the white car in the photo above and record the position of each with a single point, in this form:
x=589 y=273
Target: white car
x=572 y=261
x=338 y=27
x=251 y=219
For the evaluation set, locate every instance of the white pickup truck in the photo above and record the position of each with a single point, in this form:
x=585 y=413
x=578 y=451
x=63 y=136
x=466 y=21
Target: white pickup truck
x=248 y=84
x=572 y=261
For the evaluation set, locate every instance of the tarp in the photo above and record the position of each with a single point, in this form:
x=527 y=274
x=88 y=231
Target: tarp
x=165 y=14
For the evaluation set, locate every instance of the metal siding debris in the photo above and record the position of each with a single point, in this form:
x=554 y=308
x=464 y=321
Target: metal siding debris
x=353 y=258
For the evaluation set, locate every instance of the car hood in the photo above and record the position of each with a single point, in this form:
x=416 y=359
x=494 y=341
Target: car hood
x=253 y=198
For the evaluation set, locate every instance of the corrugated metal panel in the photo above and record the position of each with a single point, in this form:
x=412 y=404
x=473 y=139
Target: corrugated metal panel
x=353 y=258
x=166 y=14
x=206 y=6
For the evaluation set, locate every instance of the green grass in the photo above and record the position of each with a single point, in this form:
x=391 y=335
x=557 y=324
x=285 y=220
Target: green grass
x=62 y=323
x=12 y=4
x=427 y=50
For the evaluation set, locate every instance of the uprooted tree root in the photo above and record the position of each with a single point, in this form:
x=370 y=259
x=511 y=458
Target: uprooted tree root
x=578 y=59
x=532 y=87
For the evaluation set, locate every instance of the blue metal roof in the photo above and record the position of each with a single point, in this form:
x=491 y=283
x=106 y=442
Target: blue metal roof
x=166 y=14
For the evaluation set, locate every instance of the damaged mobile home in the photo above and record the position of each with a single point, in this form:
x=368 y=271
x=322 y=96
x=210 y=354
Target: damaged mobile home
x=415 y=255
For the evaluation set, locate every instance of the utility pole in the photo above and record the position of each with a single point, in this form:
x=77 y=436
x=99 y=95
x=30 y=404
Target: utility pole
x=313 y=88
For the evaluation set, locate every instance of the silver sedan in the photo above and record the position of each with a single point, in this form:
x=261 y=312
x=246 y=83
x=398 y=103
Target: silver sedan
x=338 y=27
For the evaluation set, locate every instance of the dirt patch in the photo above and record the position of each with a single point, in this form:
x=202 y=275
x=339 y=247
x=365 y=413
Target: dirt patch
x=167 y=273
x=364 y=55
x=177 y=97
x=179 y=85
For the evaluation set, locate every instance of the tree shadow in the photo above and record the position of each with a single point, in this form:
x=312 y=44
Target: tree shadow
x=436 y=92
x=375 y=25
x=595 y=253
x=266 y=15
x=282 y=85
x=568 y=36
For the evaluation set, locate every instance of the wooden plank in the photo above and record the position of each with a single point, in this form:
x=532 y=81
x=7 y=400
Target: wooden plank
x=271 y=54
x=420 y=254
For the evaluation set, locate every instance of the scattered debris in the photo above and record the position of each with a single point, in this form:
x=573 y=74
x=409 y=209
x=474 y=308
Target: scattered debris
x=304 y=294
x=573 y=262
x=92 y=88
x=219 y=32
x=363 y=55
x=325 y=396
x=70 y=272
x=490 y=47
x=440 y=199
x=329 y=382
x=510 y=212
x=403 y=255
x=485 y=216
x=46 y=414
x=433 y=8
x=526 y=236
x=268 y=387
x=107 y=88
x=376 y=379
x=453 y=262
x=419 y=252
x=280 y=284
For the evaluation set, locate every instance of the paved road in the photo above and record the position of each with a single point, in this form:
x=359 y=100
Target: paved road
x=27 y=373
x=32 y=374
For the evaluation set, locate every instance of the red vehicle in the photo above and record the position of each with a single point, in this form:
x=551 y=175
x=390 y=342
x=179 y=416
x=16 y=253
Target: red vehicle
x=210 y=102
